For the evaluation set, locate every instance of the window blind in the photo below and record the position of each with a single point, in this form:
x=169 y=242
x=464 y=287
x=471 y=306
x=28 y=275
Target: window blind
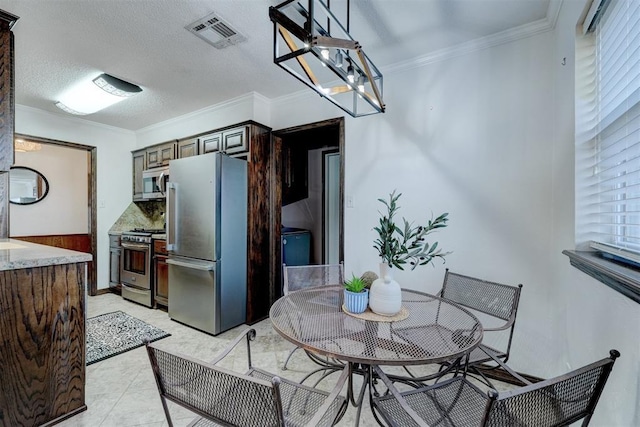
x=614 y=188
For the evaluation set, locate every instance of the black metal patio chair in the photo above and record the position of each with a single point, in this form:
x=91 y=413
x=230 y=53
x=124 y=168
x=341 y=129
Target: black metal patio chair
x=299 y=277
x=256 y=398
x=457 y=402
x=495 y=304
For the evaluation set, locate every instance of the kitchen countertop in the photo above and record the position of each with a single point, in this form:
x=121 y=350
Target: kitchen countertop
x=159 y=236
x=17 y=254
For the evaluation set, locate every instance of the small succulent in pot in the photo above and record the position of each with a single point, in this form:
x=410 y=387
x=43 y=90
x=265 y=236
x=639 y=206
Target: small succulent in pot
x=355 y=284
x=356 y=295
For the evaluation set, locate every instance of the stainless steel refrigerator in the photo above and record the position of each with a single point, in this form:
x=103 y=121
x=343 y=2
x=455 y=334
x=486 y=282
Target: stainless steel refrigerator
x=207 y=241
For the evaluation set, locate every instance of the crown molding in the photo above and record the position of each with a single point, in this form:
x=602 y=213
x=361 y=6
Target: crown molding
x=517 y=33
x=247 y=97
x=553 y=11
x=72 y=120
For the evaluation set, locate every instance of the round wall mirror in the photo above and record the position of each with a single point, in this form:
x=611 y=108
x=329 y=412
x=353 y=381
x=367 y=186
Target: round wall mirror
x=26 y=185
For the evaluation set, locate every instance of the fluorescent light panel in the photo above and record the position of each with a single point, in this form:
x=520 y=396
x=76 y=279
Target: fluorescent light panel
x=94 y=95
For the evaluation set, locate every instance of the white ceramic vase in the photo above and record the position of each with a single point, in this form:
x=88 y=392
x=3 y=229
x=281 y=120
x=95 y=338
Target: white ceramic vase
x=385 y=295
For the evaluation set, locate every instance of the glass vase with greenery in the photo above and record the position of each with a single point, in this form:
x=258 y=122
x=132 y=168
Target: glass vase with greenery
x=398 y=246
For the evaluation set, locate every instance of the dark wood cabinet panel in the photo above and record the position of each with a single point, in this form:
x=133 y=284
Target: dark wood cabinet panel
x=187 y=148
x=295 y=171
x=262 y=289
x=139 y=165
x=42 y=327
x=153 y=158
x=235 y=141
x=160 y=155
x=74 y=242
x=161 y=270
x=7 y=95
x=210 y=143
x=114 y=266
x=167 y=153
x=115 y=251
x=231 y=141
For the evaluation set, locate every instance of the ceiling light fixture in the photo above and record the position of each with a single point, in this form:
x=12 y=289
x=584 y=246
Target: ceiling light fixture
x=23 y=146
x=301 y=47
x=361 y=84
x=90 y=96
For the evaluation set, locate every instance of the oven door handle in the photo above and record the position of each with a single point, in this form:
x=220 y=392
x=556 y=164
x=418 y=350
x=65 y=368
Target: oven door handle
x=134 y=290
x=136 y=247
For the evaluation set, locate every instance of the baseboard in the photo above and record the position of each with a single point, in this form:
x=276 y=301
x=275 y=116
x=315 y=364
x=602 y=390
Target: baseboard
x=109 y=290
x=65 y=416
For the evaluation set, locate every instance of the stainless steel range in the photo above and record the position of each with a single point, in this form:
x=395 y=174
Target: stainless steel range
x=135 y=267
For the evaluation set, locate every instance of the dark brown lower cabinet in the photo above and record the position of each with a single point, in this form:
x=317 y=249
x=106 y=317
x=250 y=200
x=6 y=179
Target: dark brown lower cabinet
x=42 y=345
x=115 y=252
x=161 y=276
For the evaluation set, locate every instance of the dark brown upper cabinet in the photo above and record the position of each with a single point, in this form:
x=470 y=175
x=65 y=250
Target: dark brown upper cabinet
x=210 y=143
x=160 y=155
x=139 y=165
x=187 y=147
x=295 y=171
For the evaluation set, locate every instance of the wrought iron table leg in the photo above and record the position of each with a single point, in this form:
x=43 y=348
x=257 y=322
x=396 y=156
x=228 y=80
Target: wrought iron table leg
x=284 y=367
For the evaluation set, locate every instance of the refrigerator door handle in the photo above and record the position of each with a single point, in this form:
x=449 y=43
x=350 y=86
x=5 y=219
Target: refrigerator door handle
x=203 y=266
x=171 y=215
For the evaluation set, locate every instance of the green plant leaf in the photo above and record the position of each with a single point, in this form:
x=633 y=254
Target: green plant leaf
x=398 y=245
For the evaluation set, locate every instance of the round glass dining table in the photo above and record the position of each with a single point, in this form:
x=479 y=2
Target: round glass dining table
x=435 y=330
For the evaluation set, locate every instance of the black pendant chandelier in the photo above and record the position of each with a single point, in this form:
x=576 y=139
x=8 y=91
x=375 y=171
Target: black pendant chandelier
x=313 y=46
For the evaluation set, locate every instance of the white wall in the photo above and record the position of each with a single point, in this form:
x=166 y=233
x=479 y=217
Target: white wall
x=595 y=318
x=65 y=206
x=113 y=167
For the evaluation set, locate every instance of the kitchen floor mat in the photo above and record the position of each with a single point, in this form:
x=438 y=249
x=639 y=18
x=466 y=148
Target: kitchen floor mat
x=114 y=333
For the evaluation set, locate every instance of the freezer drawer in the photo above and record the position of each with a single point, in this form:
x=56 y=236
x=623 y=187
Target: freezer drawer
x=192 y=294
x=200 y=299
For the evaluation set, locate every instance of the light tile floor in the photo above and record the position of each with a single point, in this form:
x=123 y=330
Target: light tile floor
x=121 y=391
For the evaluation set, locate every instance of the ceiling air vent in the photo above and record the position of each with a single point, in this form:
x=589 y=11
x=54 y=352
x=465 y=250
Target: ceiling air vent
x=215 y=31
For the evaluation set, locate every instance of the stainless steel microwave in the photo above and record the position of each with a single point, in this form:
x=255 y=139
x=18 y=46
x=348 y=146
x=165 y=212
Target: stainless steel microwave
x=154 y=182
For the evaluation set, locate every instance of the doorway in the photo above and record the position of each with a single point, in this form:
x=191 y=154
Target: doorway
x=85 y=241
x=311 y=179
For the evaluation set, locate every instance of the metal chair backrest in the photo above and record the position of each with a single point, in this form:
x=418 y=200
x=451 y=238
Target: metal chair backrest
x=217 y=394
x=559 y=401
x=494 y=299
x=300 y=277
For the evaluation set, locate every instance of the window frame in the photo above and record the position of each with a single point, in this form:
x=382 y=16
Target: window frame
x=617 y=267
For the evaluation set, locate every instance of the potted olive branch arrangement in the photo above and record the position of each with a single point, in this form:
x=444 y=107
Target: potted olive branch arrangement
x=356 y=295
x=398 y=246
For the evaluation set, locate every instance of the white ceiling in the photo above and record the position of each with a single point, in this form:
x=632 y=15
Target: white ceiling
x=59 y=42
